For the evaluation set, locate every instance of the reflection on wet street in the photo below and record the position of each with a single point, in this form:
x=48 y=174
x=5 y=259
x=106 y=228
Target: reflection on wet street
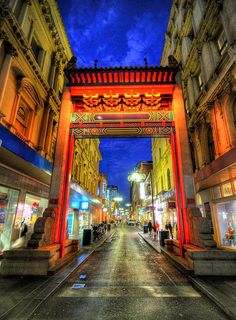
x=127 y=279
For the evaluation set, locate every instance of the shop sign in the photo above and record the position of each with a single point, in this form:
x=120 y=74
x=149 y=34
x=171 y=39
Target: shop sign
x=227 y=190
x=217 y=192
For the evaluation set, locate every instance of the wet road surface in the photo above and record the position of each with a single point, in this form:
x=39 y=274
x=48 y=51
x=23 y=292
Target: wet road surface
x=126 y=279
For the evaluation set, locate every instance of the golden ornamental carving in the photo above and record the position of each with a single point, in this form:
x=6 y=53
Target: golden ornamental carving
x=92 y=102
x=131 y=102
x=151 y=101
x=111 y=102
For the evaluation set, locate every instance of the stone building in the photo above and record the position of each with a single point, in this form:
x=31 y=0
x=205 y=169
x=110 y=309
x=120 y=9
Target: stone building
x=85 y=203
x=141 y=196
x=33 y=52
x=163 y=183
x=201 y=35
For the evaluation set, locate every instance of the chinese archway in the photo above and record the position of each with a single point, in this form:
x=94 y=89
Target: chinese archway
x=120 y=102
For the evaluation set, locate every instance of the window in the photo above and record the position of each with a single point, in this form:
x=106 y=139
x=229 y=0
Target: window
x=222 y=43
x=210 y=142
x=35 y=48
x=22 y=119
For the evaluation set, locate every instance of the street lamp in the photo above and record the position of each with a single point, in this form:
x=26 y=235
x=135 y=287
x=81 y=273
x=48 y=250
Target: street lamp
x=138 y=176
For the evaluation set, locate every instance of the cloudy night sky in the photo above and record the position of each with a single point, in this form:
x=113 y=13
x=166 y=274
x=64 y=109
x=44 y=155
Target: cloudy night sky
x=117 y=33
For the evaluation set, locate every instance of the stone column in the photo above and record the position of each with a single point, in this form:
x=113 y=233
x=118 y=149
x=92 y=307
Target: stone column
x=43 y=128
x=184 y=162
x=48 y=141
x=52 y=70
x=23 y=12
x=11 y=52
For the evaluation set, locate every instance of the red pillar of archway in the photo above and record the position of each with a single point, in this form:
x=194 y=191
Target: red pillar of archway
x=179 y=204
x=60 y=182
x=183 y=164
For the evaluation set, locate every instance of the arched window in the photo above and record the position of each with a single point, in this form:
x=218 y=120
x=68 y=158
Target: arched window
x=168 y=179
x=210 y=143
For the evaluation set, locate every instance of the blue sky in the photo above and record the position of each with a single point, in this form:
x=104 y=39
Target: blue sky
x=117 y=33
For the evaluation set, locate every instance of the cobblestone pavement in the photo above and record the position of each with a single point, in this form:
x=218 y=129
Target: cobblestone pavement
x=126 y=279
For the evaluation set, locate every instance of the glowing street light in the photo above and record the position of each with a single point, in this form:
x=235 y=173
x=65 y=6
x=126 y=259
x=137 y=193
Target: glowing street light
x=139 y=177
x=118 y=199
x=136 y=176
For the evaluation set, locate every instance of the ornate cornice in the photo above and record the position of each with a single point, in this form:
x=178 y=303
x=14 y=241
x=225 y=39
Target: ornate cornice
x=46 y=10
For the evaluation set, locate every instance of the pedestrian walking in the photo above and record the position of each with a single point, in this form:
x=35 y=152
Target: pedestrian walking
x=169 y=227
x=150 y=227
x=156 y=229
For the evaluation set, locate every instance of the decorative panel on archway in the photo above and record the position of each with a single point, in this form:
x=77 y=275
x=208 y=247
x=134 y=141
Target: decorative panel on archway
x=122 y=102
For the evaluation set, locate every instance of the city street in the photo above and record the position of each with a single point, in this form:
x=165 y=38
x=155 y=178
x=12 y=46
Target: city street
x=126 y=279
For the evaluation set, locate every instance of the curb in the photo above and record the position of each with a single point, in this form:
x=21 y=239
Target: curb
x=171 y=259
x=203 y=289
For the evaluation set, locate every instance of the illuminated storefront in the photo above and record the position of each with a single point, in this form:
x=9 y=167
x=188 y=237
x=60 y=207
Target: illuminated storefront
x=34 y=207
x=219 y=205
x=8 y=206
x=21 y=198
x=165 y=211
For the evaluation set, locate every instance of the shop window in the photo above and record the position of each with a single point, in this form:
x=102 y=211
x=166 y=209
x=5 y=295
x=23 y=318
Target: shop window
x=33 y=208
x=168 y=179
x=8 y=206
x=222 y=43
x=210 y=142
x=226 y=218
x=22 y=119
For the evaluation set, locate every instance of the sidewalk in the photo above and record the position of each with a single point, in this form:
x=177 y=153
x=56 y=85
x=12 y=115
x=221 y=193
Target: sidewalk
x=20 y=296
x=221 y=290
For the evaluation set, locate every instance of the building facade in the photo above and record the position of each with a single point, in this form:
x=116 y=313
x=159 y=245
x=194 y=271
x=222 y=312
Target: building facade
x=85 y=203
x=33 y=52
x=163 y=184
x=201 y=35
x=141 y=192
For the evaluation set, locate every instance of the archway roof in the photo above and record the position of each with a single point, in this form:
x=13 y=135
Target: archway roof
x=121 y=76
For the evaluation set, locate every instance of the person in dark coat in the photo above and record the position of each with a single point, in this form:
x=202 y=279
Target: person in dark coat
x=150 y=227
x=169 y=227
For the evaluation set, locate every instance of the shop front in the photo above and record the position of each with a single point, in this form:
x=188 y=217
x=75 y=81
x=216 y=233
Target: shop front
x=165 y=212
x=22 y=198
x=8 y=206
x=219 y=204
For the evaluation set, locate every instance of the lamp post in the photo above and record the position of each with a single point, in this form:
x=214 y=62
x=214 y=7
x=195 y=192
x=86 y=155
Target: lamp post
x=138 y=176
